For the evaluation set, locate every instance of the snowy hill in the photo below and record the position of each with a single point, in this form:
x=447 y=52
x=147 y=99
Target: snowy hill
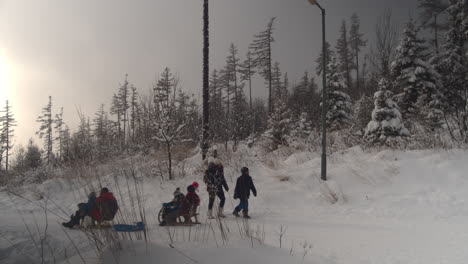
x=377 y=207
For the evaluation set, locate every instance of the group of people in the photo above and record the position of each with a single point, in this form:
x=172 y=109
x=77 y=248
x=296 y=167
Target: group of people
x=104 y=208
x=216 y=184
x=96 y=210
x=186 y=206
x=181 y=206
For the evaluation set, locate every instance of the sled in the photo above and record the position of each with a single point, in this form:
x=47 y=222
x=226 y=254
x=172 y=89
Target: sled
x=180 y=224
x=129 y=228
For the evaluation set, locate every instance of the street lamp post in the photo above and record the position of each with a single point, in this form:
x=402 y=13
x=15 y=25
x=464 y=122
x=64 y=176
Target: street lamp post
x=324 y=94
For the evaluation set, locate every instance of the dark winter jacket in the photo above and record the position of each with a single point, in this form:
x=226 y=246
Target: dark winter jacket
x=244 y=185
x=91 y=205
x=214 y=179
x=191 y=202
x=107 y=205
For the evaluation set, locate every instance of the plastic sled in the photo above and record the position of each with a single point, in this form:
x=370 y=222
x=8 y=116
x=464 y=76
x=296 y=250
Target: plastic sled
x=129 y=228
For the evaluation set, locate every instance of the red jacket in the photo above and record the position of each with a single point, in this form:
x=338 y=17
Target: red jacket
x=108 y=196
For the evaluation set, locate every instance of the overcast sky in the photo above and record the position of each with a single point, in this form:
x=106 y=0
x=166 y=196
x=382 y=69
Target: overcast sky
x=78 y=51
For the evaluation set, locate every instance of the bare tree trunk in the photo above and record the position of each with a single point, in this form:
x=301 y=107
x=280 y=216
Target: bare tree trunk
x=270 y=105
x=436 y=37
x=206 y=95
x=169 y=157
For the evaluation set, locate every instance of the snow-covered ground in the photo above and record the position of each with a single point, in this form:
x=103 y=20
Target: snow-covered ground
x=377 y=207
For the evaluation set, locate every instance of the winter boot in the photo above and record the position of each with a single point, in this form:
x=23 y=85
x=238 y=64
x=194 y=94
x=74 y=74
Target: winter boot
x=210 y=214
x=245 y=214
x=236 y=212
x=220 y=212
x=67 y=224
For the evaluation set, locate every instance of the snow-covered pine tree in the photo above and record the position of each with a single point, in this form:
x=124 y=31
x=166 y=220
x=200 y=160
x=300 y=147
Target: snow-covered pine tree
x=416 y=81
x=343 y=52
x=45 y=129
x=261 y=51
x=386 y=125
x=363 y=111
x=302 y=127
x=339 y=113
x=452 y=64
x=356 y=41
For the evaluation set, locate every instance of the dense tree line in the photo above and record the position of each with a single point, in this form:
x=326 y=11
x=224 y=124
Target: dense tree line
x=385 y=91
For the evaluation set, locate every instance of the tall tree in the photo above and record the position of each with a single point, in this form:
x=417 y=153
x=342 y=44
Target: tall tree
x=124 y=104
x=452 y=64
x=280 y=121
x=345 y=57
x=45 y=129
x=100 y=131
x=416 y=81
x=431 y=11
x=319 y=60
x=116 y=109
x=163 y=89
x=232 y=65
x=134 y=115
x=216 y=106
x=386 y=40
x=7 y=132
x=339 y=102
x=356 y=40
x=247 y=71
x=59 y=124
x=261 y=51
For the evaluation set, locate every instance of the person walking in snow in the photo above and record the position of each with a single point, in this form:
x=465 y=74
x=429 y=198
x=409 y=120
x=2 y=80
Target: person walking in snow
x=215 y=182
x=244 y=185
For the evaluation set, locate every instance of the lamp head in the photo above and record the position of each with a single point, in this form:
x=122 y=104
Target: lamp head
x=313 y=2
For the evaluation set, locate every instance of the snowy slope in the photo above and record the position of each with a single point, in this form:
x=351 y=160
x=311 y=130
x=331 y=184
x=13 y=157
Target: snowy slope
x=392 y=207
